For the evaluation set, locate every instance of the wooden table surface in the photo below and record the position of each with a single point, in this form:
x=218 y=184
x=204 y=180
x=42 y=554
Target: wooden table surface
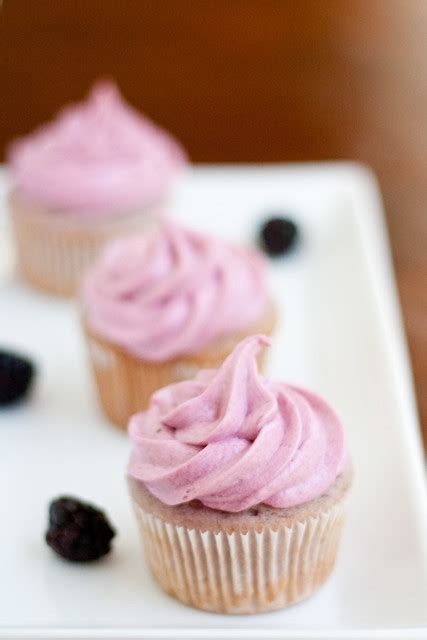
x=251 y=80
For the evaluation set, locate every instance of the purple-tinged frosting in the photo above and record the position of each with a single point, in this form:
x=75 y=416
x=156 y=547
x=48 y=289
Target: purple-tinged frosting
x=172 y=291
x=97 y=157
x=233 y=439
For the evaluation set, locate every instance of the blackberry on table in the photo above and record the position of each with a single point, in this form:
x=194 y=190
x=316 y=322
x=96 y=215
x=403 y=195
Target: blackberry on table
x=16 y=376
x=78 y=531
x=278 y=235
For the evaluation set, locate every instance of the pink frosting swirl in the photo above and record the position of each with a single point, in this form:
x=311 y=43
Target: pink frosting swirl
x=97 y=157
x=172 y=291
x=233 y=439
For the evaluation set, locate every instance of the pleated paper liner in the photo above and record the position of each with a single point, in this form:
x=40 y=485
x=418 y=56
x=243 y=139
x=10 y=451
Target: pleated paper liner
x=125 y=383
x=53 y=249
x=256 y=561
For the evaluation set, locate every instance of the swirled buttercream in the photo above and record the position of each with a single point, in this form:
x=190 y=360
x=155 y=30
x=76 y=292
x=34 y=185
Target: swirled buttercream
x=97 y=157
x=172 y=291
x=232 y=439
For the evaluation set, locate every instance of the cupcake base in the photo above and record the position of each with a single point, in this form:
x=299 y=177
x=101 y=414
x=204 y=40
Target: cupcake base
x=125 y=383
x=250 y=562
x=53 y=249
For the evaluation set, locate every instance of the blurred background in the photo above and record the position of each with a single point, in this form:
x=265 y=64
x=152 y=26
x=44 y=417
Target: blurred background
x=250 y=81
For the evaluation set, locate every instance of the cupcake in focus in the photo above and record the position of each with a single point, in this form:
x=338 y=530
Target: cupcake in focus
x=160 y=306
x=239 y=485
x=99 y=170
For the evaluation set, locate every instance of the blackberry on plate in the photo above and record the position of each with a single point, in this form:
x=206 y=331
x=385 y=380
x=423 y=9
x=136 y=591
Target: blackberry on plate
x=78 y=531
x=278 y=235
x=16 y=376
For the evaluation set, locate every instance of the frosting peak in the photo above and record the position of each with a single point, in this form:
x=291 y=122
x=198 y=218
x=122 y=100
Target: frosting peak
x=233 y=404
x=99 y=156
x=233 y=439
x=171 y=292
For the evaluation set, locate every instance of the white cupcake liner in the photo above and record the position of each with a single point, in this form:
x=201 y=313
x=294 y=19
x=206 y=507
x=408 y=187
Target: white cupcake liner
x=53 y=251
x=126 y=383
x=240 y=572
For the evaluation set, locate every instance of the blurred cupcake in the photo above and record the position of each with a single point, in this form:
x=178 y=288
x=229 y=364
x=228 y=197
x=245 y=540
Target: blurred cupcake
x=239 y=486
x=159 y=306
x=99 y=170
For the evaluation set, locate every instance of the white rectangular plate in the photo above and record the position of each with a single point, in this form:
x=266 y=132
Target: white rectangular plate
x=340 y=334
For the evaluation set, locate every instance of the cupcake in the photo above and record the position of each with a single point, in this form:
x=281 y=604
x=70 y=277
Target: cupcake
x=98 y=171
x=239 y=486
x=160 y=306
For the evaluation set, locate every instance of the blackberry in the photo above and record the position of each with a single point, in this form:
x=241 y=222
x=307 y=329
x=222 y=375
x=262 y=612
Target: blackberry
x=77 y=531
x=278 y=235
x=16 y=375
